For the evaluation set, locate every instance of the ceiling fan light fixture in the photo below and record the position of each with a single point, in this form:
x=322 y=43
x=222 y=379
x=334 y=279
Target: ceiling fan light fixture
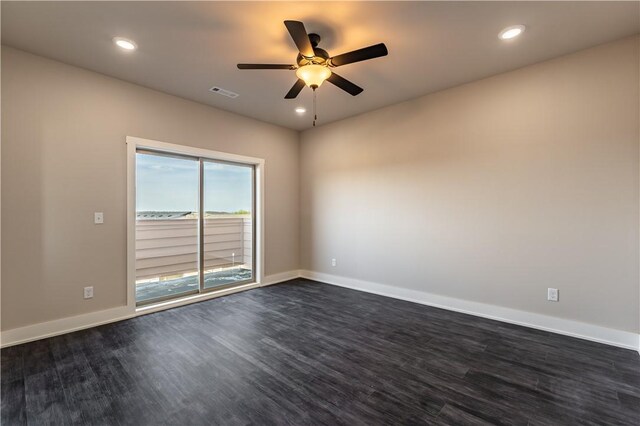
x=313 y=75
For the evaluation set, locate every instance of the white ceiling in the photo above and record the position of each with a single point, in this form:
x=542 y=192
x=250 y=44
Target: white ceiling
x=187 y=47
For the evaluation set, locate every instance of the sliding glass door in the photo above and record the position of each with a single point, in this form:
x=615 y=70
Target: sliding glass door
x=167 y=202
x=228 y=223
x=194 y=225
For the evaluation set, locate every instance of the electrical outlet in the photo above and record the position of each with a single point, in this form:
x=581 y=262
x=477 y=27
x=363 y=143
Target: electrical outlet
x=552 y=294
x=98 y=218
x=333 y=262
x=88 y=292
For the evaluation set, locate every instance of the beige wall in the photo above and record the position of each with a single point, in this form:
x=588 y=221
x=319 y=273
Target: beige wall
x=64 y=157
x=491 y=191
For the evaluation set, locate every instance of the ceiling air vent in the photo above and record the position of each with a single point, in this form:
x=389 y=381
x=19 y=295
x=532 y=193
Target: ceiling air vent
x=224 y=92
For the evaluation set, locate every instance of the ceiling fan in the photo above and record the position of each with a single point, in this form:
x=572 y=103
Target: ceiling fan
x=314 y=65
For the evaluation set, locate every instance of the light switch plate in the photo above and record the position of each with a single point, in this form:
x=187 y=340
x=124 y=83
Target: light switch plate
x=98 y=218
x=88 y=292
x=552 y=294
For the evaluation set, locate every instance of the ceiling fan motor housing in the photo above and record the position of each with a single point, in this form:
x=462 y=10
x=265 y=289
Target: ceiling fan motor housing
x=321 y=56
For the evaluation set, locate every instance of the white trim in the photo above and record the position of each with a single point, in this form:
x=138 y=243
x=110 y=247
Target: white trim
x=192 y=151
x=596 y=333
x=281 y=277
x=43 y=330
x=131 y=225
x=57 y=327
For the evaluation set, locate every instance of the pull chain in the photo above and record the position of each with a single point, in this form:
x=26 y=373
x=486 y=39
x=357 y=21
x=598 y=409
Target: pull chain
x=315 y=116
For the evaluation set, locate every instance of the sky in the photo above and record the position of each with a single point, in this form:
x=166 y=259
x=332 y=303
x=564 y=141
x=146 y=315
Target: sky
x=171 y=184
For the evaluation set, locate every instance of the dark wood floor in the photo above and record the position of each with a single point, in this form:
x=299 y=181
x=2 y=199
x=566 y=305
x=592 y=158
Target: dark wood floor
x=309 y=353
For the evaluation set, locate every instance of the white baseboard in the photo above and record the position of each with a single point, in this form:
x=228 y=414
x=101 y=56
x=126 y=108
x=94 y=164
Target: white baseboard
x=563 y=326
x=280 y=277
x=567 y=327
x=57 y=327
x=43 y=330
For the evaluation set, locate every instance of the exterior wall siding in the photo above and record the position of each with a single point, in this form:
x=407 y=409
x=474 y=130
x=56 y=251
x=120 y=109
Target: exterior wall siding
x=170 y=247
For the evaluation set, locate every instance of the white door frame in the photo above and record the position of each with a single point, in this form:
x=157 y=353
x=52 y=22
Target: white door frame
x=135 y=143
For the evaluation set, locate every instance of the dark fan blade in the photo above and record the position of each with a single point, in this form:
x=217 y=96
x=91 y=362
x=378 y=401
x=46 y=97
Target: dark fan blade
x=363 y=54
x=344 y=84
x=293 y=93
x=266 y=67
x=300 y=37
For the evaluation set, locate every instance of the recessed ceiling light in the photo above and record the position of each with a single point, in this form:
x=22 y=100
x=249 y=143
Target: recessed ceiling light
x=124 y=43
x=301 y=110
x=511 y=32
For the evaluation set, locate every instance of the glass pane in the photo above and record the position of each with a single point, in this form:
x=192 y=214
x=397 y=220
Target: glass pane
x=228 y=224
x=166 y=226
